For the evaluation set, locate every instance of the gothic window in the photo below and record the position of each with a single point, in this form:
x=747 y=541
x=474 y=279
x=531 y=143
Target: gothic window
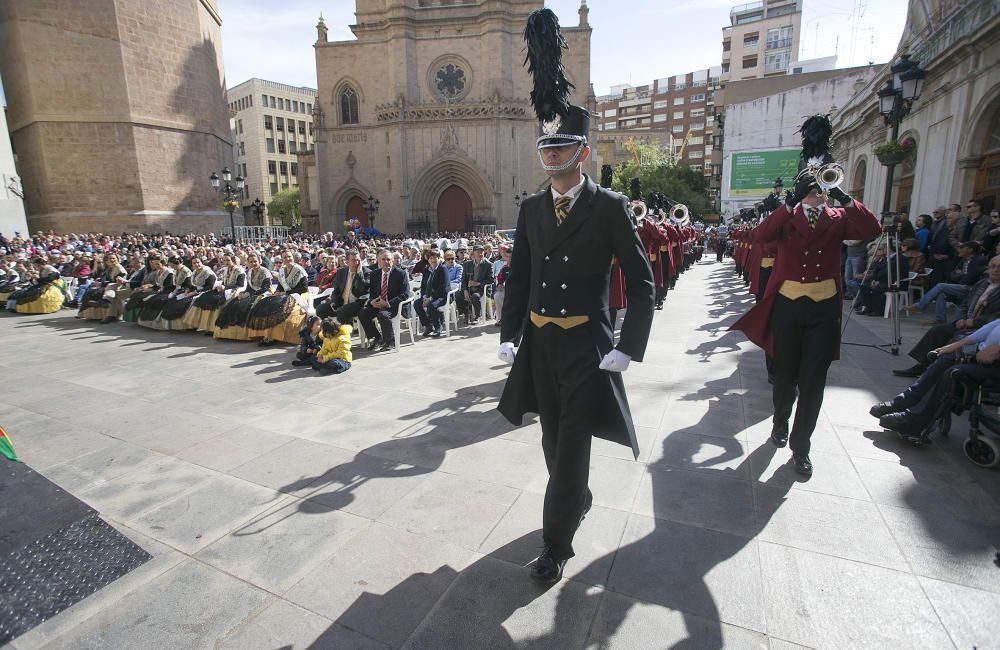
x=348 y=106
x=450 y=80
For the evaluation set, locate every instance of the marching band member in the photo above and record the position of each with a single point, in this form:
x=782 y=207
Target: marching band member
x=798 y=319
x=568 y=369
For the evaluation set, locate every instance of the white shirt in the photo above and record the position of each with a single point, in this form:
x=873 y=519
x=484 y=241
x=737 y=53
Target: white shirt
x=573 y=193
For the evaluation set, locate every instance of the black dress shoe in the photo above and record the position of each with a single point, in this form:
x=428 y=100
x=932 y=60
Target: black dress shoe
x=547 y=569
x=587 y=505
x=427 y=332
x=912 y=371
x=901 y=422
x=374 y=344
x=300 y=363
x=388 y=345
x=803 y=465
x=436 y=334
x=882 y=408
x=108 y=319
x=779 y=434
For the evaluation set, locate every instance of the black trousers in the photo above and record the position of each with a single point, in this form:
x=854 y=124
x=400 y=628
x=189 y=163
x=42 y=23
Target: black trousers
x=805 y=333
x=932 y=339
x=345 y=313
x=762 y=280
x=570 y=389
x=368 y=316
x=430 y=317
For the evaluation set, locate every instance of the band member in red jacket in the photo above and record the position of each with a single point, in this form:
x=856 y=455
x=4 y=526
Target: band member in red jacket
x=798 y=319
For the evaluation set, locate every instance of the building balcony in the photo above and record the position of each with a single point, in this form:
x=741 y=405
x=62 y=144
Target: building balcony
x=778 y=44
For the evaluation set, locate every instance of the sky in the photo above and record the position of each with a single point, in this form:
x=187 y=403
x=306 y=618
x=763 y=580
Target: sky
x=634 y=41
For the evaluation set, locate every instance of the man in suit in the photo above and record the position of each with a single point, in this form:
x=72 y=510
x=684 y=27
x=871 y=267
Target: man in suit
x=939 y=247
x=479 y=277
x=350 y=291
x=980 y=307
x=388 y=287
x=798 y=319
x=567 y=368
x=433 y=294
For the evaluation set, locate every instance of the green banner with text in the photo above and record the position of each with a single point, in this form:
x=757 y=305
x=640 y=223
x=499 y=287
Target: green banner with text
x=753 y=172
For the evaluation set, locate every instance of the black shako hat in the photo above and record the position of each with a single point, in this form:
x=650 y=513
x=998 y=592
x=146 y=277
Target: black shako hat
x=560 y=122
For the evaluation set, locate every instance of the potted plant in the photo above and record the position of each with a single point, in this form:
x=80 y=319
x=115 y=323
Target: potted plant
x=894 y=152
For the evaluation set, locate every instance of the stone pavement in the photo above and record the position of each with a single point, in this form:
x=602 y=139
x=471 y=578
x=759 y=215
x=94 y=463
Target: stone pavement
x=393 y=507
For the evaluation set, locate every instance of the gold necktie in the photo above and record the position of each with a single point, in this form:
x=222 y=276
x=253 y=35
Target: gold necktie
x=347 y=287
x=812 y=214
x=562 y=209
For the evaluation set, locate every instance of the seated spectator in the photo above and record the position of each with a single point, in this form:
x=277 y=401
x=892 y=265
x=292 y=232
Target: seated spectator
x=309 y=342
x=350 y=291
x=992 y=237
x=82 y=271
x=501 y=278
x=871 y=292
x=328 y=274
x=279 y=316
x=967 y=273
x=43 y=293
x=913 y=411
x=454 y=271
x=981 y=307
x=434 y=292
x=388 y=288
x=335 y=355
x=480 y=276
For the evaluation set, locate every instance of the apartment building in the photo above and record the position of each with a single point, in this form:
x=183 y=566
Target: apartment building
x=271 y=124
x=675 y=112
x=762 y=39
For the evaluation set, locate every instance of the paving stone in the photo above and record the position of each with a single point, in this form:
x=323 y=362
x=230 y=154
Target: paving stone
x=293 y=467
x=275 y=549
x=102 y=465
x=187 y=607
x=969 y=614
x=383 y=583
x=708 y=573
x=838 y=526
x=458 y=510
x=197 y=518
x=834 y=474
x=699 y=452
x=720 y=501
x=284 y=625
x=828 y=602
x=506 y=610
x=626 y=623
x=229 y=450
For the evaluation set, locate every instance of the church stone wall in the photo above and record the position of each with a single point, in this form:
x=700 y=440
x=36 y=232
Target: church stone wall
x=117 y=112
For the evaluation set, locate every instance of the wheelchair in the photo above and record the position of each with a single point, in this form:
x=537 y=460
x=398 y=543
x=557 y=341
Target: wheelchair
x=982 y=400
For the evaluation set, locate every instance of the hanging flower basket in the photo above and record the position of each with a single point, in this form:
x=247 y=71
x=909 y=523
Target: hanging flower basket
x=352 y=224
x=893 y=152
x=230 y=205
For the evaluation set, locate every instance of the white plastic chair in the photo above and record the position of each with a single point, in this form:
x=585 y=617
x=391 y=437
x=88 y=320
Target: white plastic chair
x=398 y=322
x=449 y=312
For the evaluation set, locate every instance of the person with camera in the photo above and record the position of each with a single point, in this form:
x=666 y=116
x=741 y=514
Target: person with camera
x=798 y=320
x=912 y=412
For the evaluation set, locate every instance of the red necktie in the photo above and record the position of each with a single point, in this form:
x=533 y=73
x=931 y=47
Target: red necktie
x=385 y=286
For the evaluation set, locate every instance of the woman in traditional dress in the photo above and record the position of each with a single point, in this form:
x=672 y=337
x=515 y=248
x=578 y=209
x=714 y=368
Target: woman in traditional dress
x=143 y=285
x=203 y=312
x=146 y=302
x=44 y=293
x=279 y=317
x=232 y=320
x=98 y=303
x=164 y=311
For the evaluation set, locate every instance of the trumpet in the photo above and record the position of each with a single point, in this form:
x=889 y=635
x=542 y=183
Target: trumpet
x=639 y=211
x=827 y=176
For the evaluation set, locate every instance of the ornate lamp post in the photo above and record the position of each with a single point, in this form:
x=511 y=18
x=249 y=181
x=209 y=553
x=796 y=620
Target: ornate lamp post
x=894 y=102
x=371 y=207
x=230 y=195
x=258 y=210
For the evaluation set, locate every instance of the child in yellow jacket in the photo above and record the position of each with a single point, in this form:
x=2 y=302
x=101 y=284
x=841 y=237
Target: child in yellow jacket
x=335 y=355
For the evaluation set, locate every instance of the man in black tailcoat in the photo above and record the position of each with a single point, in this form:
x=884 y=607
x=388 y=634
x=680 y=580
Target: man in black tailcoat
x=567 y=368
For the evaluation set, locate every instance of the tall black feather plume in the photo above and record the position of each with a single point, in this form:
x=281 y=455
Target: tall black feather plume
x=550 y=88
x=816 y=133
x=607 y=174
x=635 y=190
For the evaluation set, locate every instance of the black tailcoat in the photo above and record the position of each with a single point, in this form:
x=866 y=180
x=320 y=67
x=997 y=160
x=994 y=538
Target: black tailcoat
x=565 y=270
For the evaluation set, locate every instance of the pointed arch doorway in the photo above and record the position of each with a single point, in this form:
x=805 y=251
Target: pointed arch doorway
x=356 y=210
x=453 y=206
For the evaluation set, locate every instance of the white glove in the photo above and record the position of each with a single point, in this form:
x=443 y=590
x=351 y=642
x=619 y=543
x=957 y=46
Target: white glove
x=507 y=352
x=615 y=361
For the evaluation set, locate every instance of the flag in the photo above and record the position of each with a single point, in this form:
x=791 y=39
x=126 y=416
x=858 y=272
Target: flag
x=7 y=447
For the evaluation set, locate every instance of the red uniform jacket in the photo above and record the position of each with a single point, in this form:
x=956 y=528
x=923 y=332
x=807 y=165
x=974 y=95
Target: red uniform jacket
x=804 y=255
x=652 y=239
x=616 y=291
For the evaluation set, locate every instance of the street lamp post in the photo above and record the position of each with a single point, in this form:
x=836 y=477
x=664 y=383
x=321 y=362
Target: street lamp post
x=371 y=207
x=230 y=194
x=258 y=210
x=894 y=102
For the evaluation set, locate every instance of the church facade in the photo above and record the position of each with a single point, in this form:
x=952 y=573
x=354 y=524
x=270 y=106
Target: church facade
x=428 y=112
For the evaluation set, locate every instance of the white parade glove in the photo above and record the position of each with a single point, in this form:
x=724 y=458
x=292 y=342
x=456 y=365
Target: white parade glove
x=507 y=352
x=615 y=361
